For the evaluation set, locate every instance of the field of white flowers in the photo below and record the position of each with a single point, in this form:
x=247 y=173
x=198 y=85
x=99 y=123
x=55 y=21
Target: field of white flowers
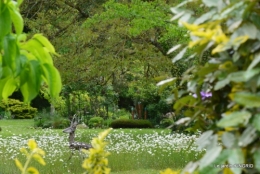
x=130 y=149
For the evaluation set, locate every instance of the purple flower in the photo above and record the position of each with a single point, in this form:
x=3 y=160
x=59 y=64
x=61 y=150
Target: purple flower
x=204 y=95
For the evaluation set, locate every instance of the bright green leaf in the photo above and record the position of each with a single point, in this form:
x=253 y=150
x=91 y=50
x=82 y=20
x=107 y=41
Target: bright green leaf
x=17 y=20
x=53 y=79
x=45 y=42
x=10 y=52
x=5 y=22
x=8 y=88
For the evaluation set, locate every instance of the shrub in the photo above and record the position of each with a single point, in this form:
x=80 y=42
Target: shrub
x=46 y=120
x=95 y=122
x=166 y=122
x=128 y=123
x=18 y=109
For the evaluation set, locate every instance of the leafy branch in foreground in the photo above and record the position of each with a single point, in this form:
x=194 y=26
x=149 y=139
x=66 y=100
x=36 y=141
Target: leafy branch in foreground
x=229 y=33
x=97 y=161
x=34 y=153
x=24 y=64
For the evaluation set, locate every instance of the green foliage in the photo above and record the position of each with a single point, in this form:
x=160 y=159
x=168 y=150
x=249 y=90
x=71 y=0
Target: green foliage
x=17 y=109
x=95 y=122
x=128 y=123
x=25 y=64
x=46 y=120
x=166 y=122
x=229 y=34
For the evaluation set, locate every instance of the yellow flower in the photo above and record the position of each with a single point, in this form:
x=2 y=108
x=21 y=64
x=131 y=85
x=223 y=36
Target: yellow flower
x=39 y=158
x=169 y=171
x=32 y=144
x=191 y=27
x=32 y=170
x=18 y=164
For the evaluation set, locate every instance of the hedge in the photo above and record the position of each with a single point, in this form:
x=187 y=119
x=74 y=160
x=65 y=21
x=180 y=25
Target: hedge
x=128 y=123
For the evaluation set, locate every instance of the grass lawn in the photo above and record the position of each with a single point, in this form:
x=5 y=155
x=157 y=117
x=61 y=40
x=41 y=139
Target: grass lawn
x=133 y=151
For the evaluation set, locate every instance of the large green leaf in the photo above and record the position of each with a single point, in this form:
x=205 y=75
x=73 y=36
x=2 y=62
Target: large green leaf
x=37 y=51
x=45 y=42
x=31 y=80
x=247 y=99
x=16 y=18
x=234 y=119
x=10 y=52
x=8 y=87
x=52 y=78
x=5 y=21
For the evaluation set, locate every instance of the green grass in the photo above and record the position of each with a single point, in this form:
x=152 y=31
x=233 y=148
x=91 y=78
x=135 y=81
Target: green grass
x=132 y=150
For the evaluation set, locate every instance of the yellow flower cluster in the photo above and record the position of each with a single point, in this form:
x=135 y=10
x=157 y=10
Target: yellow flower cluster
x=35 y=153
x=212 y=33
x=169 y=171
x=97 y=163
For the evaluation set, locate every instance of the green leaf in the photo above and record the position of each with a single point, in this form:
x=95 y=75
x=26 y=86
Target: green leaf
x=210 y=3
x=221 y=84
x=210 y=156
x=247 y=99
x=248 y=136
x=256 y=121
x=45 y=42
x=174 y=48
x=9 y=87
x=243 y=76
x=234 y=119
x=17 y=20
x=216 y=164
x=205 y=17
x=236 y=157
x=30 y=80
x=10 y=52
x=5 y=22
x=53 y=80
x=228 y=139
x=179 y=55
x=204 y=140
x=255 y=61
x=256 y=157
x=37 y=50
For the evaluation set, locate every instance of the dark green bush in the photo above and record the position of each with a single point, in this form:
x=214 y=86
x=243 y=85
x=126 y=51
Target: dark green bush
x=128 y=123
x=46 y=120
x=166 y=122
x=18 y=109
x=95 y=122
